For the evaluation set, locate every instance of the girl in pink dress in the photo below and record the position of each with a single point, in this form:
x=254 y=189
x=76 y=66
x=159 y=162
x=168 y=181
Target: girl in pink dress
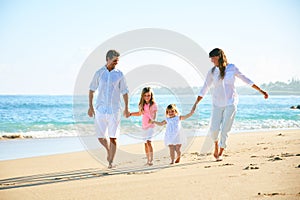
x=148 y=109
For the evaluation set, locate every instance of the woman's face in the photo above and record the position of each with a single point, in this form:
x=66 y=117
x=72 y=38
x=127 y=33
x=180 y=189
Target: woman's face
x=215 y=60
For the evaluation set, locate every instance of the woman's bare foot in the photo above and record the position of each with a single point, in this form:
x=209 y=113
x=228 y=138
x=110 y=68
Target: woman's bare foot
x=177 y=160
x=220 y=158
x=216 y=153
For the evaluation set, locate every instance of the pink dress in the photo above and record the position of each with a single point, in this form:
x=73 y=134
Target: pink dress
x=148 y=114
x=148 y=128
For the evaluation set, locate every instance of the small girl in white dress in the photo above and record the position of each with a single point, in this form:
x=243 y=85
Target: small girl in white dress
x=173 y=136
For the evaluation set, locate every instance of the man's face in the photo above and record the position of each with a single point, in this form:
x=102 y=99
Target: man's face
x=113 y=62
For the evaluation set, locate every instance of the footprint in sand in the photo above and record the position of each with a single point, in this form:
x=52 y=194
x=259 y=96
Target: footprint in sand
x=287 y=155
x=251 y=167
x=275 y=158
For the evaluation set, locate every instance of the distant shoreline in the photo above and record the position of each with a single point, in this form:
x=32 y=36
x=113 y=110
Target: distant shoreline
x=181 y=91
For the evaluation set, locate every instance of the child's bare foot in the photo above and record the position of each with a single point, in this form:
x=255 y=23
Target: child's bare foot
x=177 y=160
x=149 y=164
x=110 y=166
x=172 y=162
x=107 y=158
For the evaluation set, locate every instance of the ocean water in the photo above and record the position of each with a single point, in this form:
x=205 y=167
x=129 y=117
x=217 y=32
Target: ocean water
x=63 y=116
x=59 y=124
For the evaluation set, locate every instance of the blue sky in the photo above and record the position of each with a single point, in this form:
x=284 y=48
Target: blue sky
x=44 y=43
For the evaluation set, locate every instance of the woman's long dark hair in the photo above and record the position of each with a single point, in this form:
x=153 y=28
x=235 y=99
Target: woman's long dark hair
x=222 y=61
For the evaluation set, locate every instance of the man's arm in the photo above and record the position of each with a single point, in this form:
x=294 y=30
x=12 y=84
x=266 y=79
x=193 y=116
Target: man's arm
x=91 y=111
x=126 y=111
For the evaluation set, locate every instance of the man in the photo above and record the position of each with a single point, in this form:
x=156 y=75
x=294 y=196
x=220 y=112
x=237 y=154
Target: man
x=110 y=84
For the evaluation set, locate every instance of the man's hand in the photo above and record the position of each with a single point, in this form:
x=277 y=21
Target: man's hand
x=126 y=113
x=91 y=112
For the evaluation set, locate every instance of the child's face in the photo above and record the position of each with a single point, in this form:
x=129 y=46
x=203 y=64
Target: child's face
x=147 y=96
x=171 y=113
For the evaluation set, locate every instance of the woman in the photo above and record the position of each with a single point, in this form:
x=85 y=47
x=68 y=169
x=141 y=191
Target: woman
x=224 y=97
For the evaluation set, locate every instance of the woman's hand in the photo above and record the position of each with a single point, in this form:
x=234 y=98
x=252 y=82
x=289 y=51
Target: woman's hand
x=264 y=93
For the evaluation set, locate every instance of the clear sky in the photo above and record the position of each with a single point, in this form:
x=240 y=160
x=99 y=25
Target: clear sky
x=44 y=43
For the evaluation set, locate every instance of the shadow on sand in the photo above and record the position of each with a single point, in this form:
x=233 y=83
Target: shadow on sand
x=65 y=176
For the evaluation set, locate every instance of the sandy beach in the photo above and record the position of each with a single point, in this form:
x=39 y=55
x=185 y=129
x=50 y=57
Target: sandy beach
x=256 y=165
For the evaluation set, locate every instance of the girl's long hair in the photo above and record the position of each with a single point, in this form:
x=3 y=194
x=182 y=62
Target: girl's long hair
x=143 y=102
x=222 y=61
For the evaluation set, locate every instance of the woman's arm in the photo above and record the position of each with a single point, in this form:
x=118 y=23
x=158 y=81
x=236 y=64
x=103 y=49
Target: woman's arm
x=207 y=84
x=248 y=81
x=195 y=104
x=261 y=91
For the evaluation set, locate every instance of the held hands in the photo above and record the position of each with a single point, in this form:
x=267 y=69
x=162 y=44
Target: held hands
x=126 y=113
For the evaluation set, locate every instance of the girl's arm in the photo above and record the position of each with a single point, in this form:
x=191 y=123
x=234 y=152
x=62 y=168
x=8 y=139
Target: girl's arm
x=136 y=114
x=154 y=116
x=158 y=123
x=183 y=117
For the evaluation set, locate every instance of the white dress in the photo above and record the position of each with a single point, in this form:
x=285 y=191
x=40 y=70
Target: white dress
x=174 y=134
